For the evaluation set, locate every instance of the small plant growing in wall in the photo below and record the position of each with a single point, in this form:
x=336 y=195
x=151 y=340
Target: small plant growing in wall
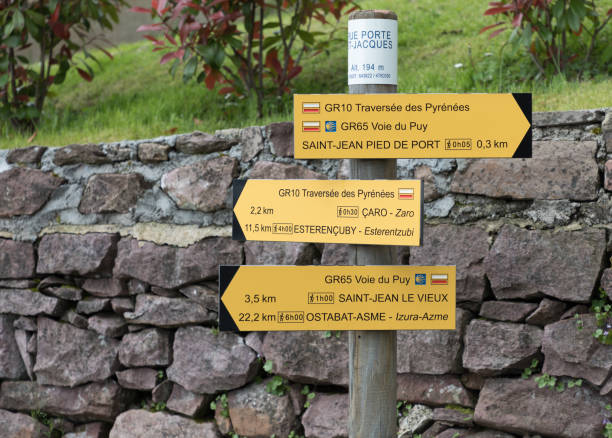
x=527 y=372
x=277 y=386
x=221 y=403
x=602 y=307
x=153 y=407
x=310 y=395
x=546 y=381
x=52 y=430
x=402 y=408
x=268 y=366
x=607 y=433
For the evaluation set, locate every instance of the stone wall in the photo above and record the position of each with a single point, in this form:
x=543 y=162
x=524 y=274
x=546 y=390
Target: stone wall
x=108 y=298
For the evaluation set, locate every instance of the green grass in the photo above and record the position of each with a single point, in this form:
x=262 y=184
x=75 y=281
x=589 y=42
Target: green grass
x=440 y=50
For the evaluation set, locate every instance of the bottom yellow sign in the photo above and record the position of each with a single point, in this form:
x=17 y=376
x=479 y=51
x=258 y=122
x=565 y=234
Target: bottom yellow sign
x=282 y=298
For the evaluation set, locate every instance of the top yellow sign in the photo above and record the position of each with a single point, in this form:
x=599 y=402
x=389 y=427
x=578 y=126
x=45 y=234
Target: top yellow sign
x=412 y=125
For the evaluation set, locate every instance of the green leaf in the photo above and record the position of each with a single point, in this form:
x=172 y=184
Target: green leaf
x=4 y=80
x=308 y=38
x=236 y=43
x=59 y=78
x=174 y=67
x=514 y=36
x=574 y=20
x=579 y=7
x=526 y=36
x=558 y=9
x=13 y=41
x=18 y=20
x=9 y=28
x=35 y=17
x=213 y=54
x=219 y=57
x=268 y=366
x=547 y=35
x=190 y=69
x=271 y=41
x=271 y=25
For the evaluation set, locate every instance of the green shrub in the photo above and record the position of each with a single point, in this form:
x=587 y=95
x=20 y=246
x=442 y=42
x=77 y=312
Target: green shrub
x=58 y=29
x=556 y=34
x=253 y=48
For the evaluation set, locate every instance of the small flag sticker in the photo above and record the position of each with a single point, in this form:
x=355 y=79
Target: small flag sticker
x=406 y=193
x=330 y=126
x=439 y=279
x=311 y=126
x=311 y=107
x=420 y=279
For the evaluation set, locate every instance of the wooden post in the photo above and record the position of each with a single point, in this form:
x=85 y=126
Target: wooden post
x=373 y=354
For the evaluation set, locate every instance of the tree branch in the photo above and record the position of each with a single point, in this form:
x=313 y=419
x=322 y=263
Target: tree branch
x=592 y=44
x=259 y=89
x=40 y=92
x=250 y=83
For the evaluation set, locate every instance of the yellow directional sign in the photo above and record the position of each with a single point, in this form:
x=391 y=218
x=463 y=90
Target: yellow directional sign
x=412 y=125
x=263 y=298
x=376 y=212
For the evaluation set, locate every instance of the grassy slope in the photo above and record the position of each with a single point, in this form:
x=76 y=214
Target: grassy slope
x=134 y=97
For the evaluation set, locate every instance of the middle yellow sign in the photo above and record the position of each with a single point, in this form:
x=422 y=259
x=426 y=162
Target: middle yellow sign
x=373 y=212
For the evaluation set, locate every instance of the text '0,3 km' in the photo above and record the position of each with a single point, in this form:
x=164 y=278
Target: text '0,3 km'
x=412 y=125
x=376 y=212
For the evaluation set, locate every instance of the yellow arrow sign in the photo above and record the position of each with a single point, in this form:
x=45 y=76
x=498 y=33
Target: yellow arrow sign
x=375 y=212
x=263 y=298
x=412 y=125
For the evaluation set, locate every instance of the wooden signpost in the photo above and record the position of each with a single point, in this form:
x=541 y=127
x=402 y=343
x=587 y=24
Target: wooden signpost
x=372 y=354
x=372 y=126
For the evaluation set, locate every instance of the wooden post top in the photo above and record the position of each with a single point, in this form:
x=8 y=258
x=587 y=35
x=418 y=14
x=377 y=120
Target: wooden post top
x=373 y=13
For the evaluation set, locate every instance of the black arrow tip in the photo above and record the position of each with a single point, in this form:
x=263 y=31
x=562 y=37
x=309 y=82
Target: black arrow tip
x=226 y=275
x=523 y=100
x=237 y=188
